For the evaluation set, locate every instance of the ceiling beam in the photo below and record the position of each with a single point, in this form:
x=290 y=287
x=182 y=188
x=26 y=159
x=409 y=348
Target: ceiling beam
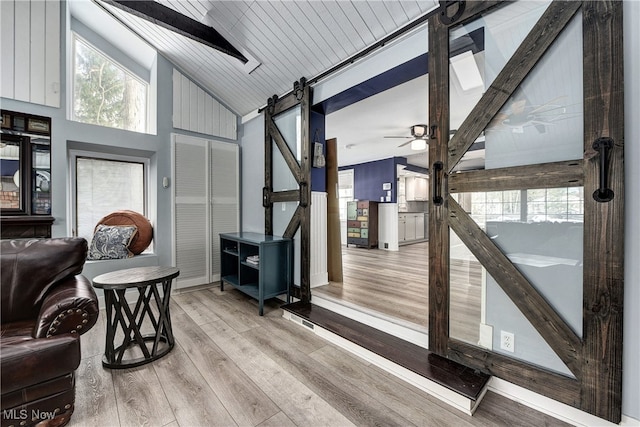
x=170 y=19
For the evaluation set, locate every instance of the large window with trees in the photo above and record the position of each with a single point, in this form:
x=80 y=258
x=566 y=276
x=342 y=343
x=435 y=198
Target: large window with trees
x=105 y=93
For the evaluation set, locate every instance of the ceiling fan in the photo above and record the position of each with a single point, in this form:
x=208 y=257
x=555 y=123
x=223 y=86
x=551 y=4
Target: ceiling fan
x=419 y=137
x=520 y=114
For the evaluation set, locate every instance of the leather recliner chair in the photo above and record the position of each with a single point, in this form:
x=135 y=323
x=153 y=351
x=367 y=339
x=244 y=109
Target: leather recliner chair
x=46 y=306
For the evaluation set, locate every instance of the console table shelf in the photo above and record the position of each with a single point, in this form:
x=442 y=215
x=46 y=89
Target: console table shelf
x=271 y=276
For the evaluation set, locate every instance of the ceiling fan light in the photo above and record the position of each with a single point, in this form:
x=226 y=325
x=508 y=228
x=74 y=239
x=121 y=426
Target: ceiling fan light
x=418 y=144
x=418 y=130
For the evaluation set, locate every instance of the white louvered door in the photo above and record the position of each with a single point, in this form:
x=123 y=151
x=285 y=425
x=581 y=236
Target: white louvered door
x=225 y=197
x=191 y=225
x=206 y=203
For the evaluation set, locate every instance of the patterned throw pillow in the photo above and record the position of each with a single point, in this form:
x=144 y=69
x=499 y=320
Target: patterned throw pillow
x=111 y=242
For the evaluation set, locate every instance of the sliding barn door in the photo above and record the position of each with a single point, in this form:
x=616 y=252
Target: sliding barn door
x=287 y=191
x=526 y=246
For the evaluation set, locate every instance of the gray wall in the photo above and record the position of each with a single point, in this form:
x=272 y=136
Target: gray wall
x=631 y=338
x=252 y=145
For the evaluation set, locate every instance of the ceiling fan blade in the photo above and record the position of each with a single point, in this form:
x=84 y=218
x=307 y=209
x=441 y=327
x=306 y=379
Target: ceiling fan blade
x=399 y=137
x=540 y=127
x=550 y=103
x=406 y=143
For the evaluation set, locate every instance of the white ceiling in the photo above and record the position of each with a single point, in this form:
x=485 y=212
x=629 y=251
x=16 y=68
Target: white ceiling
x=304 y=38
x=361 y=127
x=290 y=40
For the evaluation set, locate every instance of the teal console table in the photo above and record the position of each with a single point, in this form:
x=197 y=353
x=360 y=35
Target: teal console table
x=271 y=275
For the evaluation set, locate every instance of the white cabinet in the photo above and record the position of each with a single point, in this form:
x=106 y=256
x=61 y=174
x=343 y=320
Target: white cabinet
x=419 y=226
x=416 y=188
x=401 y=227
x=411 y=226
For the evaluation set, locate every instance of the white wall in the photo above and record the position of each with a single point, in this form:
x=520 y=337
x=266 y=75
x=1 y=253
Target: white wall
x=30 y=51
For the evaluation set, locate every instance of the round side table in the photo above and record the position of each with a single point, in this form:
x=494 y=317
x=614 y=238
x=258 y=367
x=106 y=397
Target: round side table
x=151 y=283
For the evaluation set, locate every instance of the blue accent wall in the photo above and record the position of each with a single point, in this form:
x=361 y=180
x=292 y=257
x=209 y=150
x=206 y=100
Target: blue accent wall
x=369 y=177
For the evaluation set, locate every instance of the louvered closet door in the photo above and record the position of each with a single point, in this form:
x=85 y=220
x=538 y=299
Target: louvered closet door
x=191 y=211
x=225 y=197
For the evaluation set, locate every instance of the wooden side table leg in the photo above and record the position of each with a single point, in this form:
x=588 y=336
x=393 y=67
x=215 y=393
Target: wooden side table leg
x=111 y=326
x=131 y=328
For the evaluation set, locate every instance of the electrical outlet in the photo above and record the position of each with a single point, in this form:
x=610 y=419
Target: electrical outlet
x=507 y=341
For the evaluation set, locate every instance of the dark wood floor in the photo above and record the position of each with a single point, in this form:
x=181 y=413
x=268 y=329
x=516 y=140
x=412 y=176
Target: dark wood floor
x=396 y=284
x=231 y=367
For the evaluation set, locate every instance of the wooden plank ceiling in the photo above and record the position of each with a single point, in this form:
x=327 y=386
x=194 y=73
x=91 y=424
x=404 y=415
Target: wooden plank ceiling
x=290 y=39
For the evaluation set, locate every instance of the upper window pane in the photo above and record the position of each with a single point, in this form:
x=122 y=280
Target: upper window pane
x=105 y=93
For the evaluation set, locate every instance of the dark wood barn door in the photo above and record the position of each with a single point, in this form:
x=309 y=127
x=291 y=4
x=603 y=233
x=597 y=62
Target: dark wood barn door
x=287 y=192
x=528 y=195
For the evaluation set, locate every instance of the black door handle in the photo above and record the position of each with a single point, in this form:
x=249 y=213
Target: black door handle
x=603 y=145
x=437 y=183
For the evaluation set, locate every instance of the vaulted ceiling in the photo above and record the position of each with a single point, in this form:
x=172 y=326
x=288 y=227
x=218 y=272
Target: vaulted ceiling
x=285 y=40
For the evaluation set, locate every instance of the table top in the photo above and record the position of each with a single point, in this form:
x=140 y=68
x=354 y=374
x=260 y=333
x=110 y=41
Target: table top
x=135 y=277
x=251 y=237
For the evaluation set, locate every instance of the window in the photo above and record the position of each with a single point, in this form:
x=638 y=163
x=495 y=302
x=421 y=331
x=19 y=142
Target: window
x=104 y=184
x=345 y=191
x=104 y=92
x=500 y=206
x=531 y=205
x=555 y=204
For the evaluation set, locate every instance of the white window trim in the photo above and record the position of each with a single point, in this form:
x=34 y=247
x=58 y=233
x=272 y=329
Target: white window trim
x=149 y=126
x=75 y=154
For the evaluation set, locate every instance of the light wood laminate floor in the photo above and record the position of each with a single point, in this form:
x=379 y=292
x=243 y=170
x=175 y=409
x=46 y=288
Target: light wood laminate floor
x=231 y=367
x=396 y=284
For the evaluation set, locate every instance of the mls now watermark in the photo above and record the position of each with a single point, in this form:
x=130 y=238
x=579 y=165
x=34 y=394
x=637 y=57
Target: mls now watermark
x=23 y=414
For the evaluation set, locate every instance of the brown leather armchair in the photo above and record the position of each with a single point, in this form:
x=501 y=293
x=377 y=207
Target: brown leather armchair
x=46 y=306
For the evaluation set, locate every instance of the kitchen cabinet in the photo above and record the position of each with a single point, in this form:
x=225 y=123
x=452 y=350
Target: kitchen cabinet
x=362 y=223
x=412 y=227
x=419 y=224
x=416 y=189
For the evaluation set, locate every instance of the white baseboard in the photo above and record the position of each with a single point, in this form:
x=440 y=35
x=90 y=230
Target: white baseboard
x=456 y=400
x=551 y=407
